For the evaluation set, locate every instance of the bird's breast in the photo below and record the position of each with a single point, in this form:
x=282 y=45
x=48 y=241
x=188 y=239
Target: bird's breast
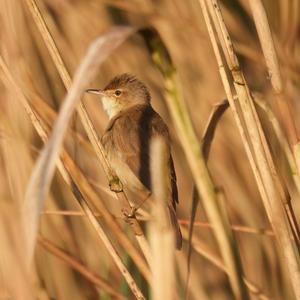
x=118 y=163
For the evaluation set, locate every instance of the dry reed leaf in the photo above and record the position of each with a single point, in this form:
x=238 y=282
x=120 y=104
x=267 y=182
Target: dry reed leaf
x=161 y=235
x=266 y=40
x=209 y=131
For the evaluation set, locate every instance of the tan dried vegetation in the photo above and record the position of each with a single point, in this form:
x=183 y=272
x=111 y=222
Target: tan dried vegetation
x=62 y=233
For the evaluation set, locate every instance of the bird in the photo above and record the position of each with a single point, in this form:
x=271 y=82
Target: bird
x=132 y=126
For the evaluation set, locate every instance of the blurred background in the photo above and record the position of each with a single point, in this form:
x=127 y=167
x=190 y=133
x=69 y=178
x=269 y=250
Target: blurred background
x=74 y=24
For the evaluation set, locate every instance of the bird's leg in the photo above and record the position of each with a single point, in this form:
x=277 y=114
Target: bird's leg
x=115 y=184
x=135 y=208
x=131 y=214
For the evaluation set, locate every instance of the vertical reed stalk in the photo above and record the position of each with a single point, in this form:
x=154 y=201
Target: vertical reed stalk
x=160 y=232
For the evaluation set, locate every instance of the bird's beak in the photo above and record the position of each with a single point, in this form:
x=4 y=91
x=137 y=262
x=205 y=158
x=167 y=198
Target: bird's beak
x=95 y=91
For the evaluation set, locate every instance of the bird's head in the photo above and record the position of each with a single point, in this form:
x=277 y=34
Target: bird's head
x=121 y=93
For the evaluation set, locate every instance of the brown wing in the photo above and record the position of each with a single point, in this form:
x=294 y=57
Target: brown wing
x=131 y=132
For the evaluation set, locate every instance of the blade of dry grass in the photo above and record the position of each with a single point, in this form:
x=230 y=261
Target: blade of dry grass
x=89 y=128
x=209 y=131
x=36 y=14
x=268 y=182
x=79 y=267
x=237 y=228
x=291 y=164
x=281 y=139
x=266 y=40
x=161 y=234
x=194 y=206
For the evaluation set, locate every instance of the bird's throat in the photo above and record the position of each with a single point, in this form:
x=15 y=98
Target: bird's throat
x=111 y=106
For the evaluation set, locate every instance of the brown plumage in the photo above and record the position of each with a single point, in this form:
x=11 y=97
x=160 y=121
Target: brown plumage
x=127 y=138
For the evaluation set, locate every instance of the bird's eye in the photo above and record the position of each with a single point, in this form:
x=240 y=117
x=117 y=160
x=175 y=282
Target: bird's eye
x=118 y=93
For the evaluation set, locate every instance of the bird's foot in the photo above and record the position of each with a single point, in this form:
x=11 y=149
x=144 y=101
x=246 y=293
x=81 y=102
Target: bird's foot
x=130 y=215
x=115 y=185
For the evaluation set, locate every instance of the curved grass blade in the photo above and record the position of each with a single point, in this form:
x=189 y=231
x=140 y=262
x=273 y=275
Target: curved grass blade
x=44 y=169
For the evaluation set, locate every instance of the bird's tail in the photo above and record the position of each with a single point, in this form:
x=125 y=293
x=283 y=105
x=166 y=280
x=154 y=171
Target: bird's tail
x=175 y=226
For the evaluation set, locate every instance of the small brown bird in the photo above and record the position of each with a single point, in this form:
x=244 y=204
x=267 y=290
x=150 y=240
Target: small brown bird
x=127 y=138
